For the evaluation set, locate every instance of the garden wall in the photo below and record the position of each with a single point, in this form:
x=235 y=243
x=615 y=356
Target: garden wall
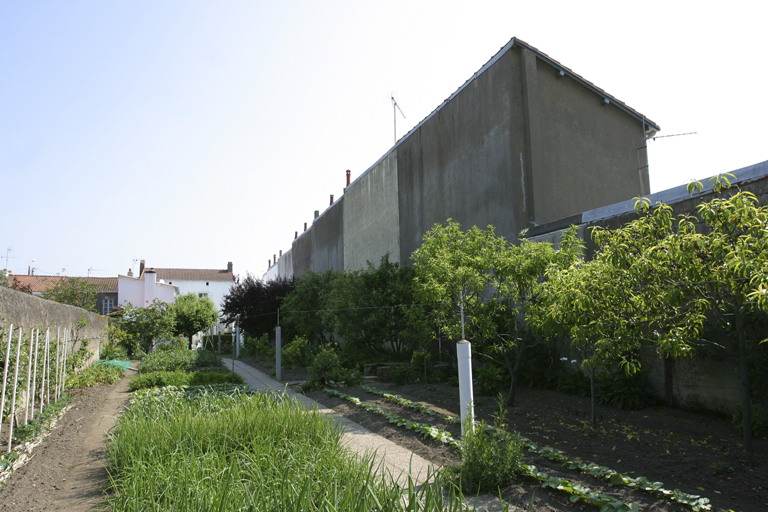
x=30 y=312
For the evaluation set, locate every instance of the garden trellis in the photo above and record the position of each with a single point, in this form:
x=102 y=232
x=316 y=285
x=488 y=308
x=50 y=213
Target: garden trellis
x=34 y=374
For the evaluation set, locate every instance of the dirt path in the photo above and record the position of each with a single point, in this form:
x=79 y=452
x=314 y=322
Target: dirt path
x=67 y=471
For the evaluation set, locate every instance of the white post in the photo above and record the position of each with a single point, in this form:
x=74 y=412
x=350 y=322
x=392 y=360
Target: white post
x=34 y=376
x=278 y=354
x=466 y=400
x=237 y=341
x=29 y=377
x=15 y=384
x=45 y=387
x=57 y=394
x=5 y=376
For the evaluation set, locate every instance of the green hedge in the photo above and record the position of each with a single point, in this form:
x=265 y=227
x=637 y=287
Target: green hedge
x=177 y=359
x=181 y=378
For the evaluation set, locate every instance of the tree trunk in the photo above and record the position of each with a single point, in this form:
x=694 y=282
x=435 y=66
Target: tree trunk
x=593 y=399
x=746 y=391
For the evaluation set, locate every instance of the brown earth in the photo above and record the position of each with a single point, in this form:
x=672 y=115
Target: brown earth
x=67 y=472
x=660 y=443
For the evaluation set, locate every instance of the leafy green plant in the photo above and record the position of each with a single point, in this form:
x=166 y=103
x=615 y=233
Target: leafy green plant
x=93 y=376
x=720 y=468
x=573 y=383
x=757 y=419
x=488 y=380
x=114 y=351
x=298 y=352
x=181 y=378
x=421 y=365
x=629 y=392
x=401 y=374
x=177 y=359
x=326 y=367
x=489 y=459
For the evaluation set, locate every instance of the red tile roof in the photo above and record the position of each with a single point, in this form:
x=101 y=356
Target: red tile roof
x=36 y=284
x=192 y=274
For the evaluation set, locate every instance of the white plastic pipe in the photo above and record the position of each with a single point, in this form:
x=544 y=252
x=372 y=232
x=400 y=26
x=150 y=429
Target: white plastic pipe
x=15 y=385
x=5 y=376
x=278 y=354
x=466 y=400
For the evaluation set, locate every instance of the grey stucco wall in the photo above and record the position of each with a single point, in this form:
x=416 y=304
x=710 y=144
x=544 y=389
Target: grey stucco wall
x=302 y=252
x=328 y=241
x=30 y=312
x=372 y=217
x=463 y=162
x=585 y=151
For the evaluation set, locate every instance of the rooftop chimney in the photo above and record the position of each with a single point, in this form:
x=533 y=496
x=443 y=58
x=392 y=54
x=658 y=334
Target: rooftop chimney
x=331 y=198
x=296 y=235
x=281 y=253
x=274 y=256
x=229 y=266
x=130 y=272
x=141 y=267
x=269 y=263
x=305 y=226
x=317 y=213
x=349 y=173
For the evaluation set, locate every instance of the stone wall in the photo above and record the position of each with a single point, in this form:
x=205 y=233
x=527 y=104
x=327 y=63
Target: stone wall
x=30 y=312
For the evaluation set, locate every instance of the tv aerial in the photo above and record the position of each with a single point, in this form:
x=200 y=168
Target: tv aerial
x=395 y=108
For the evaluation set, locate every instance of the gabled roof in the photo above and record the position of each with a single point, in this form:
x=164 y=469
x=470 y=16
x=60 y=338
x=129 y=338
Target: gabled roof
x=39 y=284
x=192 y=274
x=650 y=126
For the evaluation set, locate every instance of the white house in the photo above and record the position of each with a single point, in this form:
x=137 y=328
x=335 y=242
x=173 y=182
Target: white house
x=142 y=291
x=211 y=283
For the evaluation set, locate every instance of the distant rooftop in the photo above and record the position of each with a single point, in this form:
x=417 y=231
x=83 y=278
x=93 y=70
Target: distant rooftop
x=39 y=284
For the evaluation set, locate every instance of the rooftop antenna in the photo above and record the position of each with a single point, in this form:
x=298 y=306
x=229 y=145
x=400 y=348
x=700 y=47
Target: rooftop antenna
x=395 y=108
x=93 y=270
x=7 y=256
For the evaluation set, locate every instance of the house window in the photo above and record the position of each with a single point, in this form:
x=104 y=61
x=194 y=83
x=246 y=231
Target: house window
x=107 y=306
x=201 y=295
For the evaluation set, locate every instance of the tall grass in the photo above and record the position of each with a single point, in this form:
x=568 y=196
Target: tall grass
x=224 y=448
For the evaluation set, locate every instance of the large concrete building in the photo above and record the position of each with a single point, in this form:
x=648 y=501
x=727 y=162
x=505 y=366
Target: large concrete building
x=524 y=142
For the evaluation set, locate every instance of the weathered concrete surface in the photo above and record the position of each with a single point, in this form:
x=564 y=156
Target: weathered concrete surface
x=371 y=216
x=30 y=312
x=328 y=238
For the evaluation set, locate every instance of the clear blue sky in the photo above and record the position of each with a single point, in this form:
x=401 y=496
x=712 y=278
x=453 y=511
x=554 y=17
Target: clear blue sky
x=192 y=133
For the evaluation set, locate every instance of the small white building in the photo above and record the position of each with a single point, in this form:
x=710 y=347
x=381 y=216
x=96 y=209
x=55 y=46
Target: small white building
x=211 y=283
x=142 y=291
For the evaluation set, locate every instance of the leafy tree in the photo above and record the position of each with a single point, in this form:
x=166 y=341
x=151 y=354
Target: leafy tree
x=75 y=291
x=496 y=281
x=5 y=279
x=304 y=309
x=192 y=314
x=141 y=327
x=256 y=302
x=372 y=309
x=690 y=273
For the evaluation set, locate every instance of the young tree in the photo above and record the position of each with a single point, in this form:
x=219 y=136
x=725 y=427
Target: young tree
x=687 y=274
x=192 y=314
x=75 y=291
x=369 y=308
x=304 y=309
x=256 y=303
x=144 y=326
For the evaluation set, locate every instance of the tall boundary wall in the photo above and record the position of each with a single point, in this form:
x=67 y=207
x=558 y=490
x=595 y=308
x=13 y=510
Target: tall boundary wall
x=30 y=312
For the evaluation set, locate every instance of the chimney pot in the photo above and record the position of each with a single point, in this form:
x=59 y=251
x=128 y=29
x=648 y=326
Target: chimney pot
x=229 y=266
x=274 y=256
x=281 y=253
x=331 y=198
x=269 y=263
x=348 y=175
x=305 y=226
x=317 y=213
x=296 y=235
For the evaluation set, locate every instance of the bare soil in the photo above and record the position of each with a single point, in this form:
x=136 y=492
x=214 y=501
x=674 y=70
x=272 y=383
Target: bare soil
x=67 y=472
x=661 y=443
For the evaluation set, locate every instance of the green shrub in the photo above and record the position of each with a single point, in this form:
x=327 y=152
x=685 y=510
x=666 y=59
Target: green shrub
x=421 y=365
x=758 y=421
x=489 y=460
x=297 y=353
x=326 y=367
x=94 y=375
x=177 y=359
x=181 y=378
x=573 y=383
x=260 y=347
x=114 y=351
x=400 y=374
x=488 y=380
x=629 y=392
